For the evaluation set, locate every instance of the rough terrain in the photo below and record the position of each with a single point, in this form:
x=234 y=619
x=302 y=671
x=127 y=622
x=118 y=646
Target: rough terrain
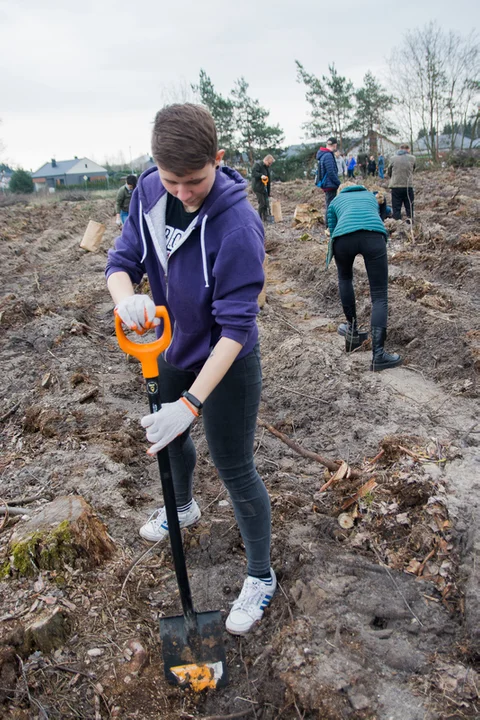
x=378 y=613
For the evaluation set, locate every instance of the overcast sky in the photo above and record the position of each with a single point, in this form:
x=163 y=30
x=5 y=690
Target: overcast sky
x=86 y=78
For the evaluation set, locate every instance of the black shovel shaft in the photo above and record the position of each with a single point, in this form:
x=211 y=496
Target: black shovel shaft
x=171 y=510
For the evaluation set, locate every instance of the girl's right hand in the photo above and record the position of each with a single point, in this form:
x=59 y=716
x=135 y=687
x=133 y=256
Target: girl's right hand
x=137 y=312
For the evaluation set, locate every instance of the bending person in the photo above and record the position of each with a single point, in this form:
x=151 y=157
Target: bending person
x=356 y=229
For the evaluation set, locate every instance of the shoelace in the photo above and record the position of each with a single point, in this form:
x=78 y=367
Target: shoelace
x=157 y=518
x=251 y=596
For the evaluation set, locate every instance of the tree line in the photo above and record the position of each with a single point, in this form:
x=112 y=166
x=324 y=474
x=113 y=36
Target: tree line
x=433 y=85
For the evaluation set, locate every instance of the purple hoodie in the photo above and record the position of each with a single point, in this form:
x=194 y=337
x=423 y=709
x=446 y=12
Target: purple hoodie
x=211 y=281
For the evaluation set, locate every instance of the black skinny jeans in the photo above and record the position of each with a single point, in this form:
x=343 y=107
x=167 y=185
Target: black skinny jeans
x=229 y=419
x=329 y=196
x=373 y=247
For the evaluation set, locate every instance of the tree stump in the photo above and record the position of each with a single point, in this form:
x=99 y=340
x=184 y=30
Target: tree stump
x=48 y=631
x=66 y=531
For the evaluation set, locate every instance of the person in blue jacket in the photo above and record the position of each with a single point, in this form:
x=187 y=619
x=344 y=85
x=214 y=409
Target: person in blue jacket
x=381 y=166
x=357 y=229
x=351 y=166
x=195 y=235
x=327 y=172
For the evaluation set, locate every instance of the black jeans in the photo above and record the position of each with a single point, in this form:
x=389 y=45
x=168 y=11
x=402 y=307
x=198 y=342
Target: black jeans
x=329 y=196
x=402 y=196
x=229 y=420
x=373 y=247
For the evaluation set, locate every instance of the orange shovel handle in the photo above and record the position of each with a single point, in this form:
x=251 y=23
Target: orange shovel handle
x=148 y=352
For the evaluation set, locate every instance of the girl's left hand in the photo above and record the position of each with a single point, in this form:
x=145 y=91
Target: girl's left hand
x=168 y=423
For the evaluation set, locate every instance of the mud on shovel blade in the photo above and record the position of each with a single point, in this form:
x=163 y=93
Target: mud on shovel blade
x=192 y=643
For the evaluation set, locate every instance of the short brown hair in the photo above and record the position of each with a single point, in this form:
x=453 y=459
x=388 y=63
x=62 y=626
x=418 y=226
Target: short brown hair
x=184 y=138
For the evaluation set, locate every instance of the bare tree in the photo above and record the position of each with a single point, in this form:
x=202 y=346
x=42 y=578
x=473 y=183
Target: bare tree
x=435 y=77
x=180 y=92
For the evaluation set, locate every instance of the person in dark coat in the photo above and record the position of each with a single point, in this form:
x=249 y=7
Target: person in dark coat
x=372 y=166
x=327 y=172
x=260 y=187
x=362 y=162
x=124 y=195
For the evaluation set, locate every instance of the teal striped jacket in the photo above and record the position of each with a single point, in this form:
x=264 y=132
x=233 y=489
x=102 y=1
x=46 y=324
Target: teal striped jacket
x=354 y=208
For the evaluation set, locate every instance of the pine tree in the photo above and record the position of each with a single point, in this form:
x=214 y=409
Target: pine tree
x=371 y=110
x=330 y=100
x=21 y=182
x=250 y=122
x=222 y=110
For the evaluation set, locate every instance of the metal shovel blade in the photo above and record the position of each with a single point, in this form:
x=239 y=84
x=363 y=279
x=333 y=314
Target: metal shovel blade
x=193 y=651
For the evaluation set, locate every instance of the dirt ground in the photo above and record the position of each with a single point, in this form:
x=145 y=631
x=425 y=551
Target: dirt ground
x=377 y=615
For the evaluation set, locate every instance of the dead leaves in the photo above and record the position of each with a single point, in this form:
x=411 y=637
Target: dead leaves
x=402 y=511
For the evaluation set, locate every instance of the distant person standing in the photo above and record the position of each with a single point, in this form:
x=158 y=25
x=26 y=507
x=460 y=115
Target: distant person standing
x=260 y=185
x=400 y=172
x=381 y=166
x=124 y=196
x=351 y=166
x=372 y=166
x=327 y=173
x=362 y=162
x=341 y=165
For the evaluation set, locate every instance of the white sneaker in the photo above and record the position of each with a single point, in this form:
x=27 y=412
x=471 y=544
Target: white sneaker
x=248 y=609
x=156 y=527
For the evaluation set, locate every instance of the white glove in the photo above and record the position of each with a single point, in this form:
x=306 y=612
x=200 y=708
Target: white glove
x=167 y=423
x=119 y=222
x=137 y=312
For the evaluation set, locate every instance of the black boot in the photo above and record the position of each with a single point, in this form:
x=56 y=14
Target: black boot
x=382 y=360
x=347 y=328
x=354 y=337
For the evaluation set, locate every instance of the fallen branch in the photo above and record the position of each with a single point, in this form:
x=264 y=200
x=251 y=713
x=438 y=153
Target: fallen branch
x=29 y=499
x=326 y=462
x=361 y=492
x=310 y=397
x=8 y=510
x=339 y=475
x=377 y=457
x=424 y=562
x=286 y=321
x=408 y=452
x=6 y=415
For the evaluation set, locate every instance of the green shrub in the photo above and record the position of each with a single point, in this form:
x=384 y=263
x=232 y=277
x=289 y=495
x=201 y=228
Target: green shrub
x=21 y=182
x=464 y=159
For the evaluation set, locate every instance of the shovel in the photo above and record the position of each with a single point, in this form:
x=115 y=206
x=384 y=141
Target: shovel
x=192 y=643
